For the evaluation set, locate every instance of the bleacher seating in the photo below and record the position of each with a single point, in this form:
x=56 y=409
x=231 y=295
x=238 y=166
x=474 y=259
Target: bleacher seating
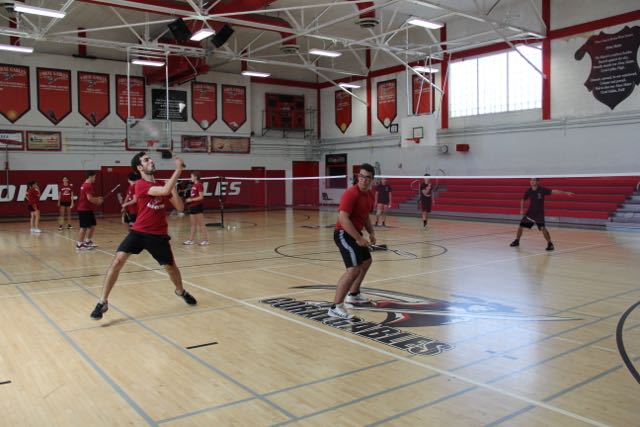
x=595 y=200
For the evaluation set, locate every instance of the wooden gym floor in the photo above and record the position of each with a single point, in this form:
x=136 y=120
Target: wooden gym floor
x=468 y=332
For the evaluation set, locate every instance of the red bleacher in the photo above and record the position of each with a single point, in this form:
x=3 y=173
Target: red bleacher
x=595 y=198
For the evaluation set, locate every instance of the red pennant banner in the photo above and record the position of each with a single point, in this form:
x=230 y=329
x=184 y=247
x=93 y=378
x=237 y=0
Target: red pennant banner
x=387 y=102
x=138 y=97
x=343 y=110
x=14 y=91
x=422 y=94
x=234 y=106
x=93 y=96
x=204 y=109
x=54 y=93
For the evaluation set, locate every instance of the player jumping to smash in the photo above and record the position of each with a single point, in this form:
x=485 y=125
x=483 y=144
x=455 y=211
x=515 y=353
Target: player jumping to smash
x=535 y=211
x=149 y=231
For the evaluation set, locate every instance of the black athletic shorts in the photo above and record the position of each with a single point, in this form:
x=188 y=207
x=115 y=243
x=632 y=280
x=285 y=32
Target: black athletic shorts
x=65 y=204
x=196 y=209
x=352 y=253
x=87 y=219
x=157 y=246
x=528 y=222
x=425 y=204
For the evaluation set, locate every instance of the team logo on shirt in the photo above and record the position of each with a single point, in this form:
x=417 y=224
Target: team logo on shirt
x=156 y=203
x=407 y=311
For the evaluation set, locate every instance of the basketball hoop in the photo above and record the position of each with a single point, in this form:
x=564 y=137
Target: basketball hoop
x=415 y=140
x=151 y=142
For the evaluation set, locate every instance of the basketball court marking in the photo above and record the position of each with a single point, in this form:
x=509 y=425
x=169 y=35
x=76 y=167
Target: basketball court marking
x=462 y=378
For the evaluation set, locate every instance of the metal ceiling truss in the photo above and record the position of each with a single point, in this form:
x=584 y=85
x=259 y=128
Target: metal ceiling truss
x=251 y=52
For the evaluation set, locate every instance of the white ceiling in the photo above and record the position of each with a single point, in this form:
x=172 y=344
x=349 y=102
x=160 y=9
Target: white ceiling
x=113 y=28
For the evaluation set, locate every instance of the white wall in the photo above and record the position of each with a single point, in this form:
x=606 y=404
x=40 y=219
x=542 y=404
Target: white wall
x=584 y=135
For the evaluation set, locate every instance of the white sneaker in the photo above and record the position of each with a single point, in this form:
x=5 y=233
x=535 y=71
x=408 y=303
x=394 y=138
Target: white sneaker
x=204 y=243
x=90 y=244
x=188 y=242
x=340 y=312
x=357 y=299
x=36 y=230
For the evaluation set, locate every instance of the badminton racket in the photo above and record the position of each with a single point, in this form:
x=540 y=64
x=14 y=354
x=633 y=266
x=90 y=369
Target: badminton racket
x=125 y=214
x=399 y=252
x=111 y=192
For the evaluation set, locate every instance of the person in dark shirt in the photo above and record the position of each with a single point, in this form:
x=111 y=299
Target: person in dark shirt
x=383 y=201
x=535 y=211
x=426 y=199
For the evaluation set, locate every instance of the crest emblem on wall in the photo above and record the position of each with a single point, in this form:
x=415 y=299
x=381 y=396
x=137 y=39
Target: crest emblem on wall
x=614 y=65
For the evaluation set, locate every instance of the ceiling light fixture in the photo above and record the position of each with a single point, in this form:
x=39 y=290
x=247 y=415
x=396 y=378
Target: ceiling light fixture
x=13 y=48
x=24 y=8
x=349 y=86
x=255 y=74
x=148 y=62
x=322 y=52
x=424 y=23
x=423 y=69
x=202 y=34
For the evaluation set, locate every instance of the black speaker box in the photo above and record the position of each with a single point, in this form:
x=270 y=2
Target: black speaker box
x=166 y=154
x=222 y=36
x=180 y=30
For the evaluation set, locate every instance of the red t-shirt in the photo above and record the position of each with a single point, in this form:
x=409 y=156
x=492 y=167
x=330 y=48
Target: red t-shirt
x=131 y=191
x=33 y=196
x=152 y=214
x=358 y=204
x=65 y=193
x=196 y=190
x=83 y=201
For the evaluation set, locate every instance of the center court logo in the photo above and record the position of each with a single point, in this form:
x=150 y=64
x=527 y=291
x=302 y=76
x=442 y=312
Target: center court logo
x=404 y=310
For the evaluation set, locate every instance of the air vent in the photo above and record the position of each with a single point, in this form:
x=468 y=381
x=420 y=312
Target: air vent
x=289 y=48
x=368 y=22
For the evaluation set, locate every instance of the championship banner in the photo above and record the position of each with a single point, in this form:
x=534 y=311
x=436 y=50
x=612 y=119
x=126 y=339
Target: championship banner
x=195 y=144
x=14 y=91
x=11 y=140
x=230 y=145
x=343 y=110
x=138 y=97
x=614 y=65
x=54 y=93
x=422 y=99
x=204 y=108
x=93 y=96
x=44 y=141
x=234 y=106
x=387 y=95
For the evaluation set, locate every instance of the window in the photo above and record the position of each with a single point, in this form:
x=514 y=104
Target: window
x=496 y=83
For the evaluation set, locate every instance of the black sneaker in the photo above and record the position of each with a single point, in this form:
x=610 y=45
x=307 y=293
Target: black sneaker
x=550 y=246
x=100 y=309
x=515 y=243
x=187 y=297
